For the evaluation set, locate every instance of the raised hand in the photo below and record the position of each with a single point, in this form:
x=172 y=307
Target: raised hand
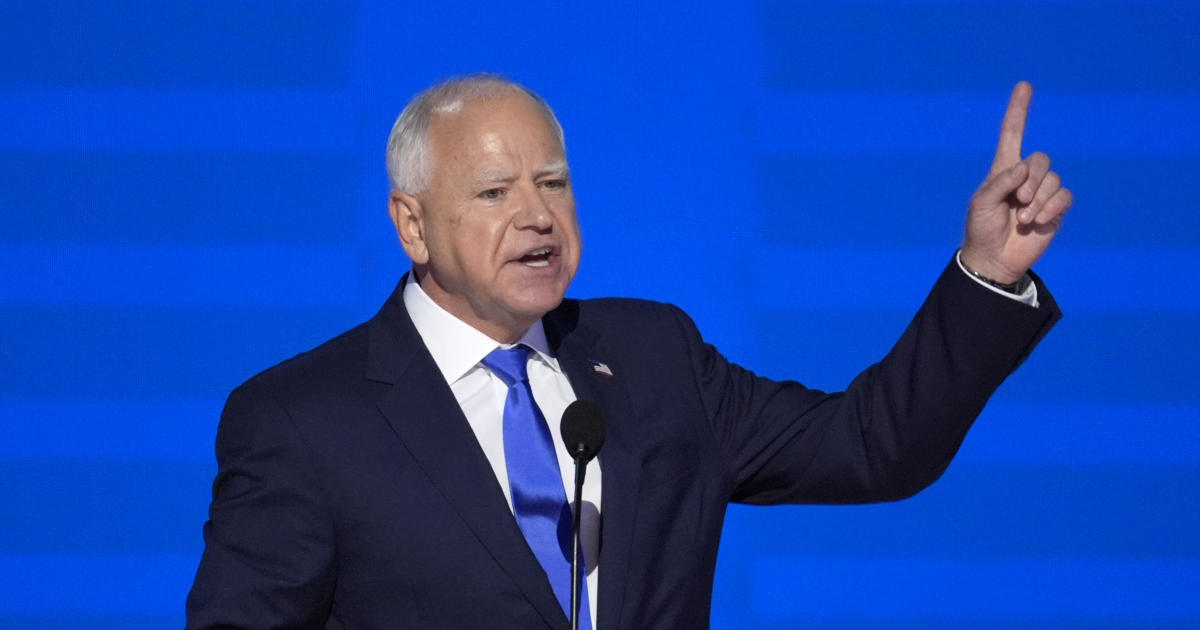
x=1017 y=210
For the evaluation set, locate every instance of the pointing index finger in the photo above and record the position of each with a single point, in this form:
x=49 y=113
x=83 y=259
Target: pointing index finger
x=1012 y=130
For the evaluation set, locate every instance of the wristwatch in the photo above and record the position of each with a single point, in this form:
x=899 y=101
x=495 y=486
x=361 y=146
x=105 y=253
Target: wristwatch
x=1015 y=288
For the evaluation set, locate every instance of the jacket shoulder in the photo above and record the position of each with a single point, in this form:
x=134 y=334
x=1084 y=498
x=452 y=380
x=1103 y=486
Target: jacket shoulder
x=623 y=311
x=335 y=363
x=637 y=325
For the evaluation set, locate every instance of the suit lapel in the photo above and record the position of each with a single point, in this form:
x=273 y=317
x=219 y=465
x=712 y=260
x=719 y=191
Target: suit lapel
x=422 y=411
x=578 y=350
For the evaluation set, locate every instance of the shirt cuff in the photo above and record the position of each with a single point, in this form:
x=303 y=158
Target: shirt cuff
x=1028 y=297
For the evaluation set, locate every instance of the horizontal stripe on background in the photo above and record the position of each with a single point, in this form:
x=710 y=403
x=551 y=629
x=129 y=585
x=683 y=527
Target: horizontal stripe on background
x=733 y=616
x=975 y=511
x=82 y=354
x=170 y=121
x=1089 y=357
x=181 y=198
x=173 y=275
x=914 y=201
x=1082 y=279
x=815 y=588
x=1102 y=123
x=105 y=507
x=142 y=586
x=1084 y=435
x=58 y=621
x=918 y=46
x=180 y=430
x=148 y=43
x=991 y=512
x=160 y=351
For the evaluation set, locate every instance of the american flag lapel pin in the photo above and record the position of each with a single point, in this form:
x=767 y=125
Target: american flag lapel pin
x=601 y=369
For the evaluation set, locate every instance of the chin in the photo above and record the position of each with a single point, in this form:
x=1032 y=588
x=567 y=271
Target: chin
x=534 y=302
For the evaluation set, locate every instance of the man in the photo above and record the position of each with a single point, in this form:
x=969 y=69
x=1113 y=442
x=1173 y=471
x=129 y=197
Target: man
x=384 y=479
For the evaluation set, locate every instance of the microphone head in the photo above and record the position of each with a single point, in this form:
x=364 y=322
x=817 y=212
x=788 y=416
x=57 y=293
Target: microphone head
x=583 y=429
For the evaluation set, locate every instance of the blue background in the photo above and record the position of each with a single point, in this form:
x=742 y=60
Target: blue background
x=194 y=191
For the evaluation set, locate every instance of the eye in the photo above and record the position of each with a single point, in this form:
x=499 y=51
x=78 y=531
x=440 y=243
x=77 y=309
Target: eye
x=555 y=184
x=492 y=194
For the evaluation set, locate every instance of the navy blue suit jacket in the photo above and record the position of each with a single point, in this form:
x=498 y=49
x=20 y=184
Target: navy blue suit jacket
x=351 y=492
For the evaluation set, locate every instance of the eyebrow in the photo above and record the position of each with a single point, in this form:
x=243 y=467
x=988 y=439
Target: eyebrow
x=493 y=177
x=557 y=167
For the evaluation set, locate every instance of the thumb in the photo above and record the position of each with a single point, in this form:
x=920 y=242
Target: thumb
x=1002 y=184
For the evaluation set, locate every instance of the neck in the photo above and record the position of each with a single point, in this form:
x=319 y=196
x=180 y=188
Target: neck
x=505 y=332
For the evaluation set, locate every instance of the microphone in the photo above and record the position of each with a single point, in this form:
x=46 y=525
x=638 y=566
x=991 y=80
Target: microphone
x=582 y=431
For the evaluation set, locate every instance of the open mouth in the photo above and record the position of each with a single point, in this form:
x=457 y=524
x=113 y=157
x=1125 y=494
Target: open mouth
x=537 y=258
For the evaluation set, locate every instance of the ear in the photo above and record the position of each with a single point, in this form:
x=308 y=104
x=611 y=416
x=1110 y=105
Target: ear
x=407 y=216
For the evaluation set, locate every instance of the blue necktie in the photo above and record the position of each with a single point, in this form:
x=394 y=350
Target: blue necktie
x=539 y=502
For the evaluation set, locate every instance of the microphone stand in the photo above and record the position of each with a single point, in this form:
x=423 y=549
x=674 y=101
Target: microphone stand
x=582 y=430
x=580 y=471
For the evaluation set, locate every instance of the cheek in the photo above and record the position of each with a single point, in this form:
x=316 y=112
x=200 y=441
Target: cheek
x=573 y=236
x=479 y=242
x=566 y=218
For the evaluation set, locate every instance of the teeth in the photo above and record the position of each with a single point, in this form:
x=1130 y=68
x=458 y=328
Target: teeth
x=537 y=257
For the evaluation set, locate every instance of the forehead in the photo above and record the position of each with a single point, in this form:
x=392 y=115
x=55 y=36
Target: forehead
x=512 y=127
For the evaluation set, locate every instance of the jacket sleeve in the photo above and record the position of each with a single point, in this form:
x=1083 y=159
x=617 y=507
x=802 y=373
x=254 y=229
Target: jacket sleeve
x=269 y=540
x=898 y=424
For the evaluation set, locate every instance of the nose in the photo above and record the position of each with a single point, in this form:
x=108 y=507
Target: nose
x=534 y=212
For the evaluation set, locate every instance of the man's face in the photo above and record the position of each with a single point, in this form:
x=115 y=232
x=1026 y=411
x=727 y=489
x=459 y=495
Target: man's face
x=497 y=241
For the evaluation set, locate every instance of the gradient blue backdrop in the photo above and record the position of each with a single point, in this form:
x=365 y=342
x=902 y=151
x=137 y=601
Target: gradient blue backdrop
x=192 y=191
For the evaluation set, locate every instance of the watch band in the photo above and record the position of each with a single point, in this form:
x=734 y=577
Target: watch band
x=1015 y=288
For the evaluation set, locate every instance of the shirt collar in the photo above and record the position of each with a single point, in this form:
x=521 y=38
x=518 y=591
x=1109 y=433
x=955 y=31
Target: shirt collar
x=456 y=346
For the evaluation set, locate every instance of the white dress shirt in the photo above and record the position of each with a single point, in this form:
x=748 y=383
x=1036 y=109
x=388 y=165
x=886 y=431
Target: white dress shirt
x=457 y=349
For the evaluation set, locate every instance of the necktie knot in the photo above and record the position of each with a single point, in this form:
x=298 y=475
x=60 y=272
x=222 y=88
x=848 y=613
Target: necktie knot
x=509 y=364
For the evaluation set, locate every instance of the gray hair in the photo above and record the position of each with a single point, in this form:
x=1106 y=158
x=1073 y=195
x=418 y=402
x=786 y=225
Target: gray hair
x=408 y=159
